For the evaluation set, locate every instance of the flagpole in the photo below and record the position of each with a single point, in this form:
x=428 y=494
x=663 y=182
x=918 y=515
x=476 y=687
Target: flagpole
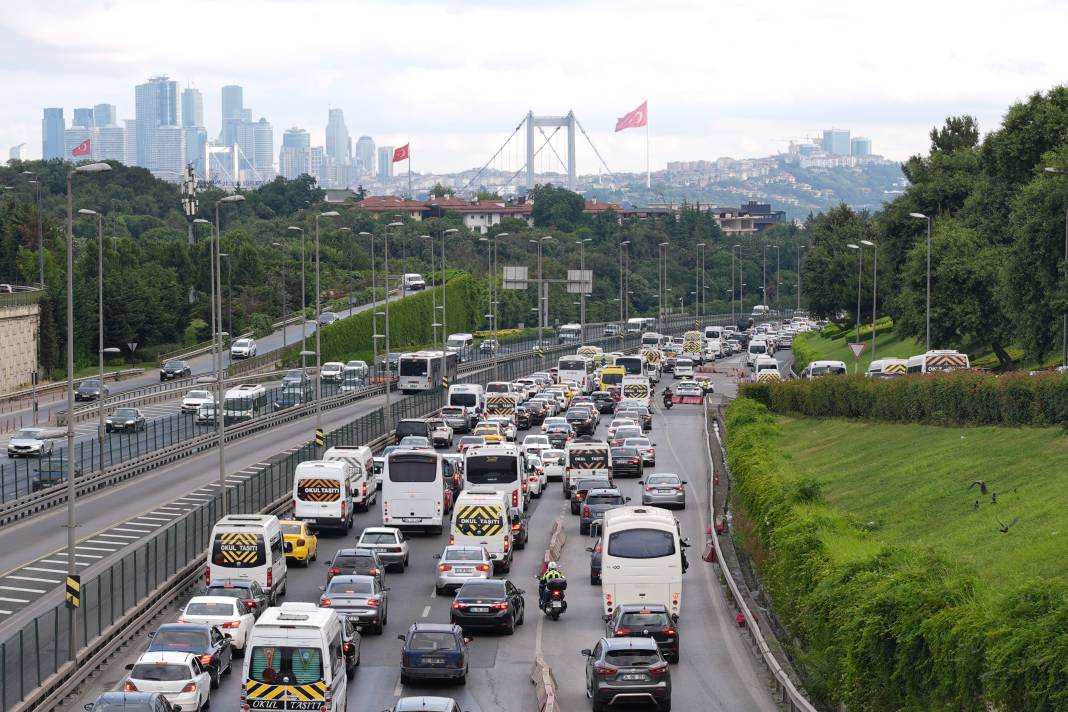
x=648 y=174
x=410 y=195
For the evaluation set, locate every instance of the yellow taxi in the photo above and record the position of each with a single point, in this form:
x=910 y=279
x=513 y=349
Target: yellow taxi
x=490 y=431
x=300 y=543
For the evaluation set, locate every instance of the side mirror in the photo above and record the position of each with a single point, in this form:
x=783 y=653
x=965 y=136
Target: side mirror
x=685 y=482
x=641 y=482
x=589 y=549
x=438 y=556
x=586 y=651
x=674 y=617
x=626 y=499
x=386 y=588
x=400 y=636
x=129 y=666
x=467 y=640
x=176 y=708
x=686 y=543
x=322 y=588
x=606 y=617
x=88 y=707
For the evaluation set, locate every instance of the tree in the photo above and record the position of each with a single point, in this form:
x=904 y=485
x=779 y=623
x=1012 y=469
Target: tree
x=830 y=267
x=441 y=191
x=557 y=208
x=958 y=132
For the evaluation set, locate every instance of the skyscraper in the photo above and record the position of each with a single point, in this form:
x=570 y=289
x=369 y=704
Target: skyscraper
x=109 y=143
x=293 y=157
x=74 y=137
x=169 y=152
x=156 y=104
x=233 y=102
x=338 y=142
x=192 y=107
x=196 y=149
x=365 y=156
x=860 y=146
x=52 y=126
x=836 y=142
x=104 y=115
x=83 y=119
x=130 y=150
x=385 y=162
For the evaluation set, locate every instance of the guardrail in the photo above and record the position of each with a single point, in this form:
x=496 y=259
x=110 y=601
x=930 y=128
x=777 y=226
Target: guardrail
x=49 y=388
x=21 y=296
x=788 y=695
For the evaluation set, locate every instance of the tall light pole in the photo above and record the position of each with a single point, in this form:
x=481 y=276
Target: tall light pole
x=734 y=318
x=699 y=287
x=349 y=250
x=374 y=304
x=621 y=297
x=281 y=246
x=72 y=523
x=494 y=307
x=662 y=272
x=36 y=182
x=541 y=292
x=860 y=268
x=433 y=294
x=318 y=330
x=444 y=315
x=211 y=279
x=303 y=303
x=778 y=299
x=764 y=277
x=799 y=248
x=582 y=295
x=1064 y=315
x=874 y=287
x=921 y=216
x=389 y=375
x=220 y=410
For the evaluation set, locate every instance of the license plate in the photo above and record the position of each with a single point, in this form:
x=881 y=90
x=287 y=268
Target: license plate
x=479 y=609
x=558 y=604
x=410 y=520
x=434 y=661
x=660 y=491
x=463 y=571
x=633 y=676
x=310 y=521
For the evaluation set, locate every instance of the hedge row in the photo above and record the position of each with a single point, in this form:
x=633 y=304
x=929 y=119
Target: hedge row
x=901 y=629
x=409 y=321
x=960 y=398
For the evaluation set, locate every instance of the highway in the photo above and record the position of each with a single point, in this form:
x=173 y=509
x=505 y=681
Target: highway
x=716 y=671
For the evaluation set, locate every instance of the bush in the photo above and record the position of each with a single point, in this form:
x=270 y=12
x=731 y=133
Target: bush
x=959 y=398
x=261 y=325
x=196 y=332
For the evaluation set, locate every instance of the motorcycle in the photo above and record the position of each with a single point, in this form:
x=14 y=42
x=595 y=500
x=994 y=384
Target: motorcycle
x=668 y=401
x=554 y=604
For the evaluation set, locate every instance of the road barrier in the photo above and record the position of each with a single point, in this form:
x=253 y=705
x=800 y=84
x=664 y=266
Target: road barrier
x=557 y=539
x=541 y=675
x=788 y=696
x=61 y=386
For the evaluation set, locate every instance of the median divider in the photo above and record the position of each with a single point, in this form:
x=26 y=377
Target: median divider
x=541 y=675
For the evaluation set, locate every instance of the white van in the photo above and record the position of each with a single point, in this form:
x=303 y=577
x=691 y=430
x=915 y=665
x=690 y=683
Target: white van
x=650 y=340
x=635 y=325
x=481 y=518
x=322 y=494
x=362 y=484
x=887 y=368
x=587 y=459
x=460 y=344
x=766 y=369
x=714 y=332
x=757 y=347
x=714 y=349
x=824 y=368
x=295 y=660
x=248 y=547
x=413 y=282
x=683 y=367
x=938 y=360
x=469 y=396
x=413 y=490
x=761 y=310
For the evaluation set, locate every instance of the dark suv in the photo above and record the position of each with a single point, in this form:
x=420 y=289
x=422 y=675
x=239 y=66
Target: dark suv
x=604 y=401
x=211 y=647
x=412 y=426
x=172 y=370
x=634 y=620
x=627 y=670
x=582 y=420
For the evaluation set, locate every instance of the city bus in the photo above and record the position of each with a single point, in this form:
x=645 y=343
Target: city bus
x=633 y=365
x=421 y=370
x=575 y=368
x=244 y=402
x=413 y=490
x=498 y=467
x=642 y=560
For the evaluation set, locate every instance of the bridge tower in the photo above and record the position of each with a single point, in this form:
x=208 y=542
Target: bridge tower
x=567 y=122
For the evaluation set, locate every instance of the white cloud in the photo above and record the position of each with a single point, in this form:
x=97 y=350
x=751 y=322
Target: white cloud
x=724 y=78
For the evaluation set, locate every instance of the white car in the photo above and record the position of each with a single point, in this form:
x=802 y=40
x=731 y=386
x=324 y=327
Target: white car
x=235 y=621
x=243 y=348
x=535 y=444
x=550 y=422
x=195 y=399
x=389 y=543
x=29 y=442
x=618 y=423
x=332 y=372
x=552 y=461
x=535 y=476
x=440 y=433
x=689 y=388
x=178 y=676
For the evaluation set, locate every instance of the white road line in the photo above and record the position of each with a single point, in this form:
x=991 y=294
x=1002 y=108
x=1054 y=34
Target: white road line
x=14 y=600
x=135 y=530
x=32 y=578
x=5 y=613
x=119 y=536
x=109 y=543
x=91 y=556
x=426 y=611
x=153 y=519
x=169 y=510
x=95 y=548
x=537 y=637
x=53 y=561
x=47 y=571
x=397 y=691
x=24 y=590
x=212 y=484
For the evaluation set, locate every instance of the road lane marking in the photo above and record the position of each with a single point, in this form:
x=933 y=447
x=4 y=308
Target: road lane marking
x=33 y=578
x=154 y=519
x=24 y=590
x=426 y=611
x=119 y=536
x=48 y=571
x=133 y=529
x=14 y=600
x=5 y=613
x=97 y=548
x=397 y=691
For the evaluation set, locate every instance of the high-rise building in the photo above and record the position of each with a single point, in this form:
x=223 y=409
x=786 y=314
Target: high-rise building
x=293 y=157
x=223 y=168
x=316 y=159
x=192 y=107
x=105 y=115
x=860 y=146
x=385 y=162
x=338 y=142
x=52 y=126
x=196 y=149
x=170 y=152
x=836 y=142
x=255 y=141
x=156 y=105
x=365 y=156
x=130 y=152
x=83 y=119
x=233 y=102
x=74 y=137
x=16 y=153
x=109 y=143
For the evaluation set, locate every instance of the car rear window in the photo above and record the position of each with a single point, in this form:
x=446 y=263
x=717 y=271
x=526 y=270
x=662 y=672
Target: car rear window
x=378 y=538
x=160 y=672
x=641 y=544
x=462 y=555
x=212 y=608
x=428 y=642
x=486 y=589
x=605 y=499
x=350 y=587
x=644 y=619
x=632 y=658
x=190 y=639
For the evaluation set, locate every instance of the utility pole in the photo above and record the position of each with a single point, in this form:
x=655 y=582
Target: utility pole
x=220 y=410
x=318 y=331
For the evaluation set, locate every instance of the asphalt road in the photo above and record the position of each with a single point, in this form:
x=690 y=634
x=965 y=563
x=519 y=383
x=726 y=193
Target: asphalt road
x=716 y=671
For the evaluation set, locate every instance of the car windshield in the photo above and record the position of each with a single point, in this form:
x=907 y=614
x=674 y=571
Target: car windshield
x=90 y=384
x=481 y=589
x=28 y=434
x=193 y=395
x=428 y=642
x=242 y=343
x=644 y=619
x=205 y=608
x=291 y=529
x=628 y=431
x=641 y=544
x=123 y=707
x=174 y=364
x=350 y=587
x=462 y=555
x=160 y=672
x=378 y=538
x=184 y=638
x=125 y=413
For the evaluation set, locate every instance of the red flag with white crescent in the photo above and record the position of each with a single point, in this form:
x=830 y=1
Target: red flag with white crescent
x=82 y=149
x=401 y=153
x=635 y=119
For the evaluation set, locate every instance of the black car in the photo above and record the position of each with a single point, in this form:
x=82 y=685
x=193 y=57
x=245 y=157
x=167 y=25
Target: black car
x=520 y=531
x=522 y=418
x=90 y=390
x=294 y=378
x=581 y=488
x=652 y=620
x=350 y=645
x=250 y=593
x=597 y=502
x=558 y=435
x=627 y=670
x=127 y=420
x=626 y=462
x=359 y=561
x=132 y=702
x=207 y=642
x=581 y=420
x=491 y=603
x=604 y=401
x=172 y=370
x=52 y=470
x=596 y=555
x=536 y=410
x=412 y=426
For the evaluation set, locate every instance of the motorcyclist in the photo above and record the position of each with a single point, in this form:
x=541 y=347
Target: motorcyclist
x=668 y=395
x=552 y=571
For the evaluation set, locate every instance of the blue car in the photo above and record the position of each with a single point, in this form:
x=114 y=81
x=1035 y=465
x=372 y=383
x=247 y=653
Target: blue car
x=434 y=651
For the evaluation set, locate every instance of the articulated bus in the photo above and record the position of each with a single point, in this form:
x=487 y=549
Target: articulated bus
x=642 y=559
x=422 y=371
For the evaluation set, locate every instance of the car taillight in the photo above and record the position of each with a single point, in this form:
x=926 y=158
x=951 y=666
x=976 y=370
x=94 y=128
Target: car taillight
x=457 y=605
x=669 y=631
x=525 y=485
x=189 y=687
x=634 y=461
x=294 y=504
x=325 y=602
x=585 y=511
x=659 y=669
x=373 y=602
x=207 y=575
x=344 y=507
x=598 y=547
x=270 y=577
x=515 y=498
x=579 y=495
x=507 y=544
x=334 y=571
x=182 y=620
x=623 y=631
x=348 y=647
x=452 y=539
x=648 y=489
x=232 y=624
x=515 y=527
x=301 y=542
x=500 y=606
x=129 y=687
x=206 y=659
x=483 y=567
x=249 y=604
x=372 y=572
x=605 y=669
x=444 y=567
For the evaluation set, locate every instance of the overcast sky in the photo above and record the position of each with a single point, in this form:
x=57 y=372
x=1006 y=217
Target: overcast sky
x=722 y=78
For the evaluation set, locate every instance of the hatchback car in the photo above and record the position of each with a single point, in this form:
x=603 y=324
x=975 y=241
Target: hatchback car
x=468 y=442
x=173 y=370
x=360 y=598
x=434 y=651
x=179 y=677
x=599 y=501
x=90 y=390
x=626 y=462
x=415 y=442
x=332 y=372
x=301 y=544
x=125 y=420
x=459 y=564
x=225 y=613
x=213 y=649
x=131 y=702
x=664 y=489
x=604 y=401
x=362 y=561
x=389 y=543
x=651 y=620
x=627 y=670
x=496 y=603
x=248 y=593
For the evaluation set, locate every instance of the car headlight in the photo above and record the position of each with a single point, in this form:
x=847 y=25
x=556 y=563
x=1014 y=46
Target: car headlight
x=129 y=422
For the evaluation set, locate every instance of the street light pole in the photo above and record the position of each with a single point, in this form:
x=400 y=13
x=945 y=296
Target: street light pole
x=582 y=295
x=860 y=268
x=778 y=298
x=764 y=278
x=374 y=305
x=100 y=329
x=72 y=522
x=389 y=375
x=662 y=273
x=282 y=247
x=303 y=297
x=622 y=289
x=799 y=248
x=921 y=216
x=444 y=286
x=734 y=317
x=874 y=287
x=699 y=287
x=220 y=410
x=318 y=329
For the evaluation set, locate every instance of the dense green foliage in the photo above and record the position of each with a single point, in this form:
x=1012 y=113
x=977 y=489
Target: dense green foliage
x=997 y=244
x=832 y=344
x=885 y=626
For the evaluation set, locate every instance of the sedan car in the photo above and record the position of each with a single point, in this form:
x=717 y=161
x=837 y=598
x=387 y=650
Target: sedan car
x=456 y=417
x=415 y=442
x=604 y=401
x=522 y=417
x=179 y=677
x=361 y=561
x=360 y=598
x=223 y=612
x=469 y=442
x=559 y=434
x=581 y=488
x=425 y=704
x=496 y=603
x=597 y=502
x=131 y=701
x=623 y=432
x=389 y=543
x=90 y=390
x=582 y=420
x=507 y=426
x=173 y=370
x=243 y=348
x=301 y=544
x=327 y=318
x=627 y=670
x=246 y=592
x=434 y=651
x=459 y=564
x=552 y=461
x=213 y=649
x=626 y=462
x=619 y=422
x=488 y=346
x=125 y=420
x=351 y=644
x=29 y=442
x=649 y=620
x=664 y=489
x=194 y=399
x=440 y=432
x=645 y=447
x=689 y=388
x=596 y=552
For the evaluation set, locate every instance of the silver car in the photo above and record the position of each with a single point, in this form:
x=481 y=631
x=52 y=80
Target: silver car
x=664 y=489
x=360 y=598
x=460 y=564
x=29 y=442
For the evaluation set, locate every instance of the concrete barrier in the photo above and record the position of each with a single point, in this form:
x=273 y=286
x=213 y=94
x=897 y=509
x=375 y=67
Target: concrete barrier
x=541 y=675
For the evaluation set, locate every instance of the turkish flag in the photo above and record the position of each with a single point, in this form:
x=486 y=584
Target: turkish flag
x=401 y=153
x=635 y=119
x=82 y=149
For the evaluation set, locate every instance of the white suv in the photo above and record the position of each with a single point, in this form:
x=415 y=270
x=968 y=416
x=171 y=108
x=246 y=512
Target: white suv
x=243 y=348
